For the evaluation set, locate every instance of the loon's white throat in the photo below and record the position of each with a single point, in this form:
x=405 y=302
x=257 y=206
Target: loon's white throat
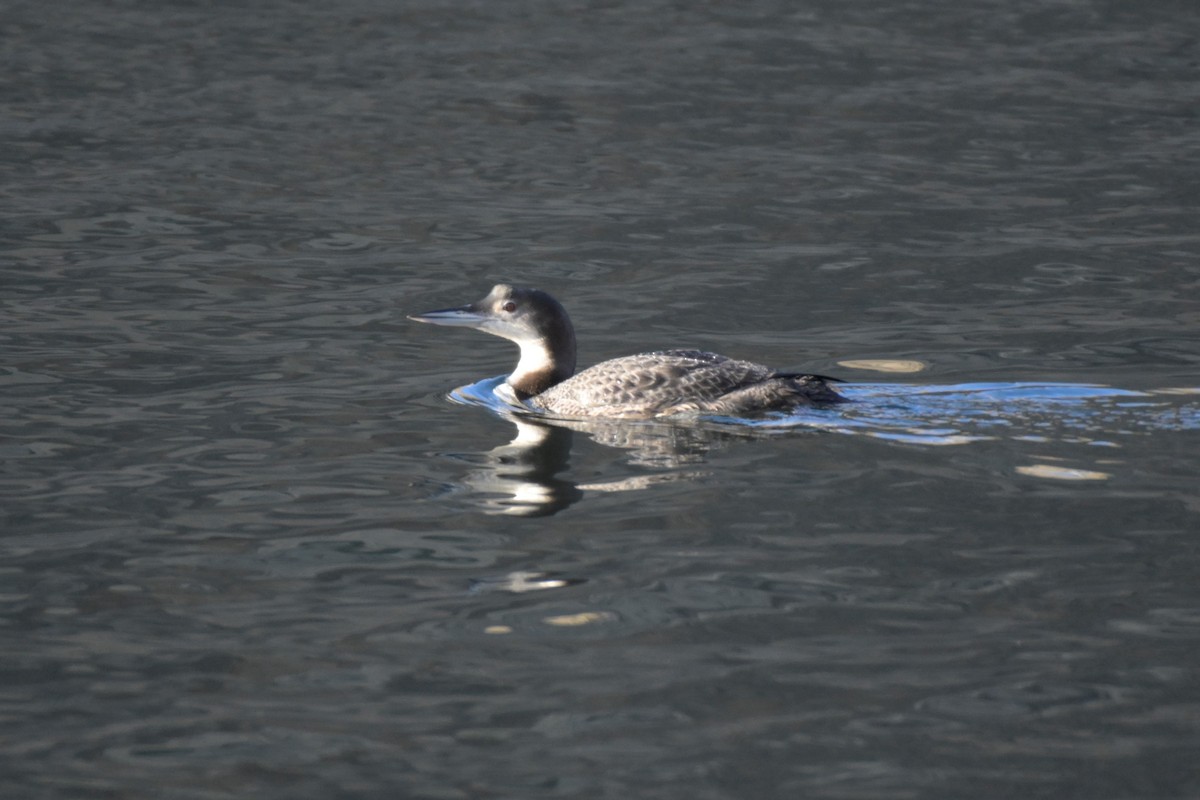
x=534 y=367
x=660 y=383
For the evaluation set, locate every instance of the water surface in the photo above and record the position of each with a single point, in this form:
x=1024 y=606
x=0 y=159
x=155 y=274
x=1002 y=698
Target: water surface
x=252 y=549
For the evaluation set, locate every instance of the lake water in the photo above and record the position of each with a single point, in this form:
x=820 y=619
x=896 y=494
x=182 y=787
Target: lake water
x=263 y=537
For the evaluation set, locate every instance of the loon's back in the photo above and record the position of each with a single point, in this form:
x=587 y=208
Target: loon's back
x=669 y=382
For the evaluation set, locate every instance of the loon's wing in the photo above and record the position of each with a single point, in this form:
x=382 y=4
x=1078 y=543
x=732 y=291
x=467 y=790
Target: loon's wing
x=644 y=385
x=677 y=382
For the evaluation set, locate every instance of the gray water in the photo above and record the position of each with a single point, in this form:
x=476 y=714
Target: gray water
x=262 y=537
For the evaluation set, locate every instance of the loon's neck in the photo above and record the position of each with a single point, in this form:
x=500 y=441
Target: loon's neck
x=544 y=362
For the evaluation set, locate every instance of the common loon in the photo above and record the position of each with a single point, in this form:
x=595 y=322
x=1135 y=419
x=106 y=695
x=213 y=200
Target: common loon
x=658 y=384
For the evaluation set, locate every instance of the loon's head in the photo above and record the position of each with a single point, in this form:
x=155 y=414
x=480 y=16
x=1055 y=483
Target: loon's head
x=529 y=317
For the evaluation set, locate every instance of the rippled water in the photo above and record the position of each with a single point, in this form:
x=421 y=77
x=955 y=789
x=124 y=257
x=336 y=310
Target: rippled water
x=251 y=548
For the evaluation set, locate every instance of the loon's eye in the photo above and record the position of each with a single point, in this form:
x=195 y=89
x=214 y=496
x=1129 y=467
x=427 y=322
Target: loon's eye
x=510 y=306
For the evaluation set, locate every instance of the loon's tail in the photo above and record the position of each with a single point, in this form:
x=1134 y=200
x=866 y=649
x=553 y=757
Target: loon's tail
x=814 y=388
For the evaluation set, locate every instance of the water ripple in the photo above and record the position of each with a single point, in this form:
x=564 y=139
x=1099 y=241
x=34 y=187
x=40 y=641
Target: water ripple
x=935 y=414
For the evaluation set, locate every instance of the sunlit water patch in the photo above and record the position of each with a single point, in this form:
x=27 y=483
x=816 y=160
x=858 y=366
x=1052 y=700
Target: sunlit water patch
x=942 y=414
x=961 y=413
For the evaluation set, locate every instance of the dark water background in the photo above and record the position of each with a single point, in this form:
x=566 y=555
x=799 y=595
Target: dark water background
x=249 y=549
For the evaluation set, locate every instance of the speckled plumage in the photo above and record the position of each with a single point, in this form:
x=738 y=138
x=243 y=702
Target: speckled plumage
x=668 y=382
x=658 y=384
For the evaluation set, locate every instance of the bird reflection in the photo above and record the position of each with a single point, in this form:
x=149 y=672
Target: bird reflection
x=519 y=478
x=522 y=477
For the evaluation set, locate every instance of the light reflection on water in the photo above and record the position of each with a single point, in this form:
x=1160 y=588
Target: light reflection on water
x=930 y=414
x=523 y=477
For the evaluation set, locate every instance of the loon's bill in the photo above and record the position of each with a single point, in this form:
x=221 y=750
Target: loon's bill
x=452 y=317
x=656 y=384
